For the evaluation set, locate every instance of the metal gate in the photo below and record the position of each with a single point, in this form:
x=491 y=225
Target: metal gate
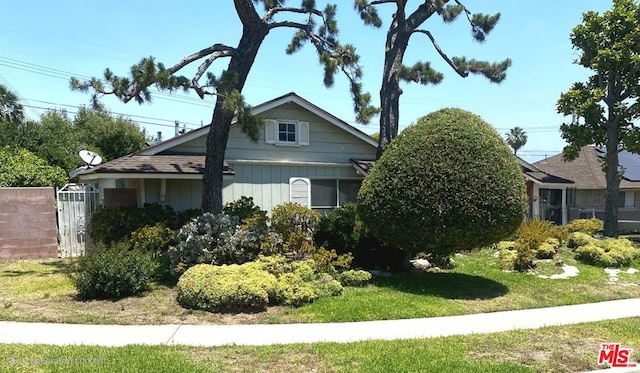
x=76 y=203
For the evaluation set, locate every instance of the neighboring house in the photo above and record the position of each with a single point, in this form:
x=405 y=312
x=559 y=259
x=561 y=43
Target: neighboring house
x=547 y=194
x=304 y=155
x=586 y=196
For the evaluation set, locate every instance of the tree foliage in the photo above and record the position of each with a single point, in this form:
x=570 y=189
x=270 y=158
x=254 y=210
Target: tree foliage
x=57 y=139
x=21 y=168
x=318 y=28
x=446 y=184
x=111 y=136
x=516 y=138
x=605 y=107
x=10 y=107
x=405 y=24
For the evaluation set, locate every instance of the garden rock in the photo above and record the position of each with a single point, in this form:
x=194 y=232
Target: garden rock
x=568 y=272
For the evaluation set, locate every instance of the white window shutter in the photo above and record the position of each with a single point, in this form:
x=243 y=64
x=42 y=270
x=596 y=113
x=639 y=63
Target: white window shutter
x=270 y=128
x=300 y=191
x=303 y=130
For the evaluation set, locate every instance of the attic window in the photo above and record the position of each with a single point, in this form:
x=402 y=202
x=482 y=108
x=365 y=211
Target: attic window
x=286 y=132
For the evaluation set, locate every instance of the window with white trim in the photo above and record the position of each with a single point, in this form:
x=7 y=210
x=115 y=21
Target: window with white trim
x=627 y=200
x=323 y=194
x=286 y=132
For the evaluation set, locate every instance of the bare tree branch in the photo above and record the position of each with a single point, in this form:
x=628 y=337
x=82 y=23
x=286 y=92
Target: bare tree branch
x=377 y=2
x=298 y=25
x=272 y=12
x=444 y=56
x=224 y=50
x=202 y=69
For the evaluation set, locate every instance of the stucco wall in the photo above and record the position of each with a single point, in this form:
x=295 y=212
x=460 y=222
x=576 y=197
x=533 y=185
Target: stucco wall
x=28 y=226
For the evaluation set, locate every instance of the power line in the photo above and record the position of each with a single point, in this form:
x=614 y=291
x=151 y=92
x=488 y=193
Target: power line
x=113 y=112
x=136 y=121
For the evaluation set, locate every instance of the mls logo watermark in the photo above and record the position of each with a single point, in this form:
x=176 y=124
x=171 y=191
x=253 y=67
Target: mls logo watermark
x=614 y=355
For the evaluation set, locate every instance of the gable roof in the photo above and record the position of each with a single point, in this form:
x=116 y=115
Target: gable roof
x=585 y=171
x=290 y=97
x=535 y=174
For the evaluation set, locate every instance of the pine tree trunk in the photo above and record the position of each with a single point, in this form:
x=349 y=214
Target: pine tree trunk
x=253 y=34
x=395 y=47
x=613 y=182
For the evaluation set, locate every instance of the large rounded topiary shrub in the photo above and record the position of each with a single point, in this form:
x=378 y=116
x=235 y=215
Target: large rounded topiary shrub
x=445 y=184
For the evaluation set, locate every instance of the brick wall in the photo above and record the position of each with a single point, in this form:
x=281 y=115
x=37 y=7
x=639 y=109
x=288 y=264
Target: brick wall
x=28 y=223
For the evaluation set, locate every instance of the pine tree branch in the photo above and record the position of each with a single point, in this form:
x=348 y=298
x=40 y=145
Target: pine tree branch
x=378 y=2
x=467 y=12
x=218 y=50
x=420 y=15
x=273 y=11
x=444 y=56
x=302 y=26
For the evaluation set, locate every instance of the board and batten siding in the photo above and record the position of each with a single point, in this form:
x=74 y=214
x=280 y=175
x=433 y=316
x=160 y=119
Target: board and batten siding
x=327 y=143
x=269 y=184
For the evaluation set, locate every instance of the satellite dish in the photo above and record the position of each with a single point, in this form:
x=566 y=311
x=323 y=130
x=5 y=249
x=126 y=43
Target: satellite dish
x=90 y=158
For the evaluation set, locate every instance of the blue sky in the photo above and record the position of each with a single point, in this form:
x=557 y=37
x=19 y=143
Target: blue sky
x=44 y=43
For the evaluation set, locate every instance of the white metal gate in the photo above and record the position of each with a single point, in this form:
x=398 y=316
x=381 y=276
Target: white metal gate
x=76 y=203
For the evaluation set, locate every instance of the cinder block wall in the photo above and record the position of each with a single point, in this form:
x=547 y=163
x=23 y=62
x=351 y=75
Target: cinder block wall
x=28 y=226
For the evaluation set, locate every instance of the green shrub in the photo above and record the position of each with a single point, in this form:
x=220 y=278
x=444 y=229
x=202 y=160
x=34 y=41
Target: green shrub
x=225 y=288
x=298 y=282
x=153 y=238
x=114 y=225
x=540 y=230
x=577 y=239
x=303 y=285
x=447 y=184
x=22 y=168
x=506 y=245
x=547 y=249
x=588 y=226
x=112 y=272
x=214 y=239
x=247 y=212
x=292 y=217
x=610 y=252
x=156 y=240
x=590 y=253
x=254 y=285
x=354 y=278
x=343 y=231
x=520 y=258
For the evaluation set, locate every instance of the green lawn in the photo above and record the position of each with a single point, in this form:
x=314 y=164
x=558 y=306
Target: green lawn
x=38 y=290
x=553 y=349
x=476 y=284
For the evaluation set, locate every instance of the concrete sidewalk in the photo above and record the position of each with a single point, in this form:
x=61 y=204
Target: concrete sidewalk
x=218 y=335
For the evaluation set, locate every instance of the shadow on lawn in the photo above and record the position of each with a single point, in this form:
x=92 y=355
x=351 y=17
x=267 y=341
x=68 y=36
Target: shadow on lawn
x=445 y=285
x=54 y=267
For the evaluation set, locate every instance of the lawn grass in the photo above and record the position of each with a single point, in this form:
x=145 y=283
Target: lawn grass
x=476 y=284
x=553 y=349
x=39 y=290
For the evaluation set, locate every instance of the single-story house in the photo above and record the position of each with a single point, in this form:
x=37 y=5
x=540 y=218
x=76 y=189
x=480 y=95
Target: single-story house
x=585 y=197
x=546 y=193
x=304 y=155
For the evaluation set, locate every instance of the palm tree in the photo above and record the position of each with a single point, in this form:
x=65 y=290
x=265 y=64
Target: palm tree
x=516 y=138
x=10 y=107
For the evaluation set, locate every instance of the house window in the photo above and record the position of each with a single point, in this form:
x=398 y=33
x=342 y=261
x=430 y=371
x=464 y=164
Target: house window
x=627 y=200
x=323 y=194
x=329 y=193
x=287 y=133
